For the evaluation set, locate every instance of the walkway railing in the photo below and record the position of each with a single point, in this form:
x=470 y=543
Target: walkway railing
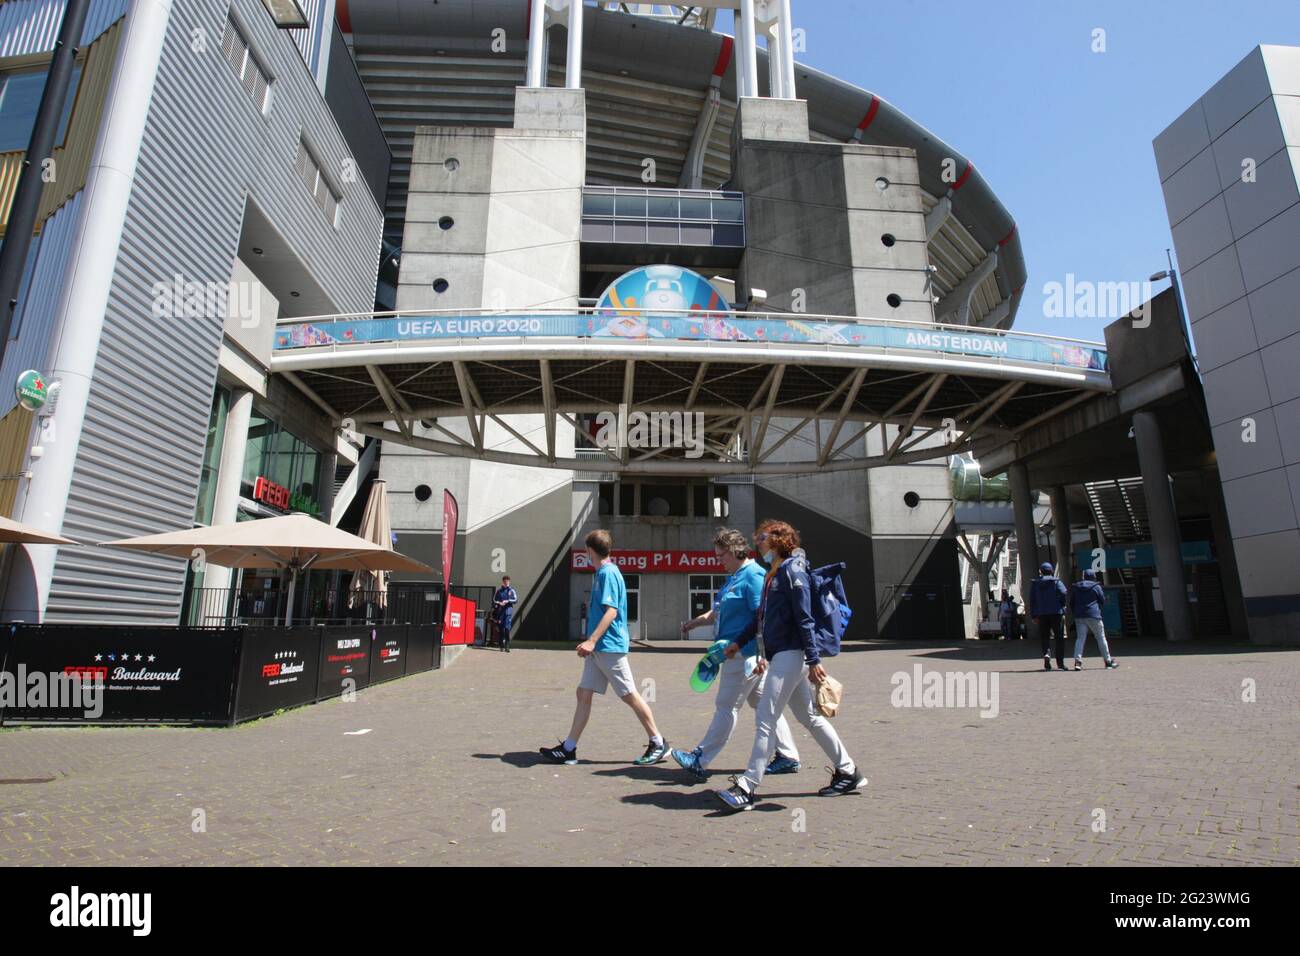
x=771 y=328
x=398 y=604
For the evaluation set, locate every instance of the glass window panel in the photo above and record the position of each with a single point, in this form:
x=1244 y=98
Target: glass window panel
x=696 y=209
x=663 y=233
x=629 y=232
x=697 y=234
x=663 y=207
x=597 y=230
x=700 y=582
x=20 y=97
x=729 y=210
x=729 y=235
x=261 y=437
x=597 y=205
x=633 y=206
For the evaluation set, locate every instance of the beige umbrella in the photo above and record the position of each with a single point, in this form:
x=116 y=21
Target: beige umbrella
x=376 y=527
x=14 y=532
x=297 y=542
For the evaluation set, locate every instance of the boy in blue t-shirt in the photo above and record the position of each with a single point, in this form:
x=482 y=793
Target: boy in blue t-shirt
x=605 y=655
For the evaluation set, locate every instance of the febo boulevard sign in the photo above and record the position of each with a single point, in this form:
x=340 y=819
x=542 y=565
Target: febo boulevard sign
x=269 y=493
x=654 y=562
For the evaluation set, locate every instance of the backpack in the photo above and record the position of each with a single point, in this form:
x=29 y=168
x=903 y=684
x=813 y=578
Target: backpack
x=830 y=607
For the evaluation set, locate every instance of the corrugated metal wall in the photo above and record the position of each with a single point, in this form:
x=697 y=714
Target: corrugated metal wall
x=32 y=26
x=205 y=149
x=35 y=318
x=15 y=433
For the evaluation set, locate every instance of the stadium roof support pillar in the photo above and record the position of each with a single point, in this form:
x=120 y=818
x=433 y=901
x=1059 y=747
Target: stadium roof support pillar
x=573 y=68
x=537 y=44
x=746 y=39
x=936 y=217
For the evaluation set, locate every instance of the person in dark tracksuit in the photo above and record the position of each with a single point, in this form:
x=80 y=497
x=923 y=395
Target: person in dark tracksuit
x=503 y=611
x=1047 y=601
x=1087 y=598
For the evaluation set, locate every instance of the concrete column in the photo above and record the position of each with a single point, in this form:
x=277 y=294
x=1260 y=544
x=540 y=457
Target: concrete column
x=1022 y=503
x=83 y=300
x=230 y=474
x=329 y=465
x=1061 y=533
x=1164 y=527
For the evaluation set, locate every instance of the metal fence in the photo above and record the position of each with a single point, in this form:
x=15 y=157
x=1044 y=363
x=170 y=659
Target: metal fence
x=415 y=603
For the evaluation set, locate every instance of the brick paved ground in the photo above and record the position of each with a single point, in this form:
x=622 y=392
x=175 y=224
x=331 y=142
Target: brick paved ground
x=1185 y=771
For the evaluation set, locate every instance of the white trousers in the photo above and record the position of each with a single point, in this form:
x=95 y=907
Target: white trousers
x=787 y=686
x=733 y=691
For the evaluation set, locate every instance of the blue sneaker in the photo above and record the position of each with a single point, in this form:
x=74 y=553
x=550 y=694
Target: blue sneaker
x=783 y=764
x=689 y=760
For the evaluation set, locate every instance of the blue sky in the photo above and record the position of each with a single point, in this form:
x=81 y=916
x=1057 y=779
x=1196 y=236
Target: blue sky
x=1062 y=134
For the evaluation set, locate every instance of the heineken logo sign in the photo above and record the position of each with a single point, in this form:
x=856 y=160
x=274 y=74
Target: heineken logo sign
x=31 y=390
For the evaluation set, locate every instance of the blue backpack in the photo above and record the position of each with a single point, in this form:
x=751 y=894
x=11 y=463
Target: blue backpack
x=830 y=607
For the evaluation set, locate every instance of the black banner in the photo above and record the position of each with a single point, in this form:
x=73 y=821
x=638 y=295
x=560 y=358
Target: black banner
x=422 y=648
x=388 y=653
x=344 y=660
x=148 y=674
x=278 y=668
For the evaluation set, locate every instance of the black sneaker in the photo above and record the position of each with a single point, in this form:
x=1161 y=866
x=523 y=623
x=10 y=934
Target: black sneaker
x=1060 y=666
x=842 y=783
x=1047 y=663
x=1078 y=665
x=558 y=754
x=654 y=753
x=1112 y=664
x=735 y=799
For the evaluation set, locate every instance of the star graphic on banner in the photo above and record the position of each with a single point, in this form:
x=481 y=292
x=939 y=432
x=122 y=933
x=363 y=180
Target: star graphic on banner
x=99 y=657
x=139 y=657
x=152 y=658
x=112 y=657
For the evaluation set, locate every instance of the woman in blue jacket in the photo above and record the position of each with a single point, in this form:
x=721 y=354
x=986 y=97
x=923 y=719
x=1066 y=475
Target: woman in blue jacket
x=1087 y=598
x=788 y=652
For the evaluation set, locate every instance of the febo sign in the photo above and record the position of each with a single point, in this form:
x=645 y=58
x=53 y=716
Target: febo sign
x=651 y=562
x=459 y=627
x=268 y=492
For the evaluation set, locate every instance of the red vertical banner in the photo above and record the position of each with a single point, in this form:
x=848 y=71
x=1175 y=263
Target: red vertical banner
x=450 y=518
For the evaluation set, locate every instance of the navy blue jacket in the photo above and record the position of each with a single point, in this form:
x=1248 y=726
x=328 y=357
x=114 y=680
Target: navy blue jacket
x=1047 y=596
x=787 y=611
x=1087 y=598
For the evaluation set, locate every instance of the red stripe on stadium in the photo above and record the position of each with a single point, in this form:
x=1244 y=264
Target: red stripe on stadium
x=961 y=181
x=871 y=114
x=343 y=15
x=724 y=56
x=1007 y=238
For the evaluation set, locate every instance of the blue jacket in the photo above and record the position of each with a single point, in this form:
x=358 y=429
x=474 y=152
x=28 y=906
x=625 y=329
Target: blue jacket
x=1047 y=596
x=1087 y=598
x=504 y=611
x=787 y=611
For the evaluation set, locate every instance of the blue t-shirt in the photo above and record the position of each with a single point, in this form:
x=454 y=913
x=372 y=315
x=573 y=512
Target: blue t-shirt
x=737 y=602
x=608 y=590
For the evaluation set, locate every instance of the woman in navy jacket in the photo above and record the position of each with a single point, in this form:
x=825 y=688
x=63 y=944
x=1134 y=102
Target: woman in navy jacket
x=788 y=651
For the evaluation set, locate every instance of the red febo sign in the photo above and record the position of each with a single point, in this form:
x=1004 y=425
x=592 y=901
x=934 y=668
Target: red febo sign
x=268 y=492
x=651 y=562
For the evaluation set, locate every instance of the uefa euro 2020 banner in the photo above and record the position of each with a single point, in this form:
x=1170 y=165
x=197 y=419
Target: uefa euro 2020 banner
x=648 y=303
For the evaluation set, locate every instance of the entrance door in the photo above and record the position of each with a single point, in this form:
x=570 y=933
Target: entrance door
x=701 y=590
x=633 y=583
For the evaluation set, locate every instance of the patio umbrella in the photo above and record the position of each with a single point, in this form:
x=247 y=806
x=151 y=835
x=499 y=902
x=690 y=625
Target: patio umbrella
x=296 y=542
x=375 y=527
x=14 y=532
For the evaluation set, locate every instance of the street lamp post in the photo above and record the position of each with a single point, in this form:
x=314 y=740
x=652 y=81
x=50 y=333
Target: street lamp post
x=1183 y=325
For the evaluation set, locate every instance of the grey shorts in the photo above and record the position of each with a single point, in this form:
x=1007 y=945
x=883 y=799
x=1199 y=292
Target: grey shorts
x=603 y=668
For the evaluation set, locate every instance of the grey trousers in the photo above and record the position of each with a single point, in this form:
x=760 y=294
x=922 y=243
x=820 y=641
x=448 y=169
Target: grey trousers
x=787 y=686
x=733 y=691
